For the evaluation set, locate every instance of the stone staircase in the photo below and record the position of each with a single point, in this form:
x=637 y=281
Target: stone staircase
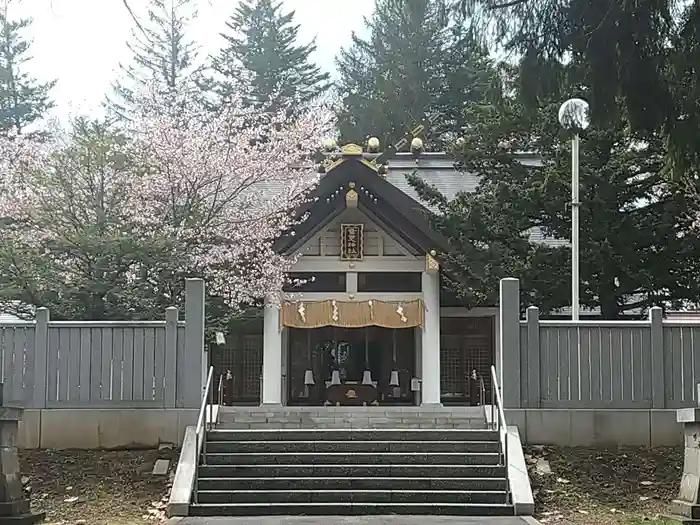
x=333 y=461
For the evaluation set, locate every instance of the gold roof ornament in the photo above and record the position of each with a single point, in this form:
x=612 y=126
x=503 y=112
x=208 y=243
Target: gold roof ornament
x=351 y=196
x=431 y=264
x=417 y=146
x=351 y=150
x=373 y=144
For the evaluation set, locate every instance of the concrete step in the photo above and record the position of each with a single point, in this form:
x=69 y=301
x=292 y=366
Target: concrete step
x=274 y=447
x=349 y=496
x=270 y=424
x=352 y=458
x=348 y=483
x=355 y=471
x=350 y=509
x=374 y=434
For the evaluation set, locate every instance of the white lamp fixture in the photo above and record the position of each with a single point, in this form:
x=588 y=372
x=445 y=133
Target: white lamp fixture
x=394 y=378
x=574 y=116
x=335 y=377
x=309 y=377
x=367 y=378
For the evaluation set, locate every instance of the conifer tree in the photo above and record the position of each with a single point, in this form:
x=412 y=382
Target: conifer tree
x=163 y=56
x=639 y=246
x=262 y=59
x=416 y=61
x=23 y=99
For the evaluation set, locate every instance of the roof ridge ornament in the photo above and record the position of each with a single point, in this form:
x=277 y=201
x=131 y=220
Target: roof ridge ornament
x=351 y=150
x=408 y=138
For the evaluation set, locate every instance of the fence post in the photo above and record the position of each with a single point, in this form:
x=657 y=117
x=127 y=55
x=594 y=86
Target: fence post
x=658 y=374
x=41 y=353
x=508 y=362
x=532 y=353
x=171 y=318
x=190 y=365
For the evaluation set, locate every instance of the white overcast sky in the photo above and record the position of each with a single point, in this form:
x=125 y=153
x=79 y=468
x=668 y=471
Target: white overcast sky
x=81 y=42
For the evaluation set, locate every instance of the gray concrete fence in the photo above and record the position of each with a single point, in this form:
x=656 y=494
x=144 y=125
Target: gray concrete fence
x=105 y=384
x=588 y=382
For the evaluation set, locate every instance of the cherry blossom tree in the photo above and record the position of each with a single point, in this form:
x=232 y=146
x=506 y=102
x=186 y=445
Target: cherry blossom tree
x=105 y=223
x=223 y=185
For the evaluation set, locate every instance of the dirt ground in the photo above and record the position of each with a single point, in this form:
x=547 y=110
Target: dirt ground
x=593 y=486
x=572 y=486
x=91 y=487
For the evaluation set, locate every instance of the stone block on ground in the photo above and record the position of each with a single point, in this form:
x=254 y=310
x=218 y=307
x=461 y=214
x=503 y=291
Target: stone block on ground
x=160 y=468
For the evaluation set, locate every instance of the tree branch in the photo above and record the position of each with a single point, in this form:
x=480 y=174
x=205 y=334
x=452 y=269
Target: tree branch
x=134 y=17
x=505 y=5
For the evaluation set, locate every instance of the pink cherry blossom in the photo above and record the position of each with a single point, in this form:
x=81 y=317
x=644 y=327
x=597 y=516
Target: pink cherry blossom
x=213 y=192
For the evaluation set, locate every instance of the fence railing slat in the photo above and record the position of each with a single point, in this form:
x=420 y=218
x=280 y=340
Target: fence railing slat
x=139 y=371
x=17 y=389
x=85 y=348
x=128 y=365
x=95 y=362
x=574 y=363
x=159 y=365
x=687 y=364
x=596 y=366
x=171 y=353
x=530 y=348
x=106 y=364
x=585 y=369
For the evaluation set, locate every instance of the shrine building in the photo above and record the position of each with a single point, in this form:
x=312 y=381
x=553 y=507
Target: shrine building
x=371 y=324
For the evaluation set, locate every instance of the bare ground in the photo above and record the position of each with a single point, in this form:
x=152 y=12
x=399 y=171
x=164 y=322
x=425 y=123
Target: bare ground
x=586 y=486
x=595 y=486
x=93 y=487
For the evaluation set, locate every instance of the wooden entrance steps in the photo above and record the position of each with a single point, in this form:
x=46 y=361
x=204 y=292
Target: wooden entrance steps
x=263 y=471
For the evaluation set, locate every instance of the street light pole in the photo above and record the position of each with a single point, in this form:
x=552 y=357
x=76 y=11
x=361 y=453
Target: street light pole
x=575 y=205
x=573 y=116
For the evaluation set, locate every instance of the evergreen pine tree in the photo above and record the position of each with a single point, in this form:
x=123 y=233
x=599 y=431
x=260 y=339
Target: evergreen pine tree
x=635 y=224
x=415 y=62
x=262 y=60
x=23 y=100
x=163 y=56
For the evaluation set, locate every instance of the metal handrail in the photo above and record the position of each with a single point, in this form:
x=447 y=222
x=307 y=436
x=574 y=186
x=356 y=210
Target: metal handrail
x=499 y=423
x=482 y=390
x=220 y=392
x=202 y=426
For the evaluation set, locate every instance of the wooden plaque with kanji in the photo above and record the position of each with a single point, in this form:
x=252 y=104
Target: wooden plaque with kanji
x=351 y=242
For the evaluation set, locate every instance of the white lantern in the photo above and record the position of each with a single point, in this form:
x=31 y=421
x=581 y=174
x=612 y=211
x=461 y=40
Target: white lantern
x=335 y=377
x=309 y=378
x=367 y=378
x=394 y=378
